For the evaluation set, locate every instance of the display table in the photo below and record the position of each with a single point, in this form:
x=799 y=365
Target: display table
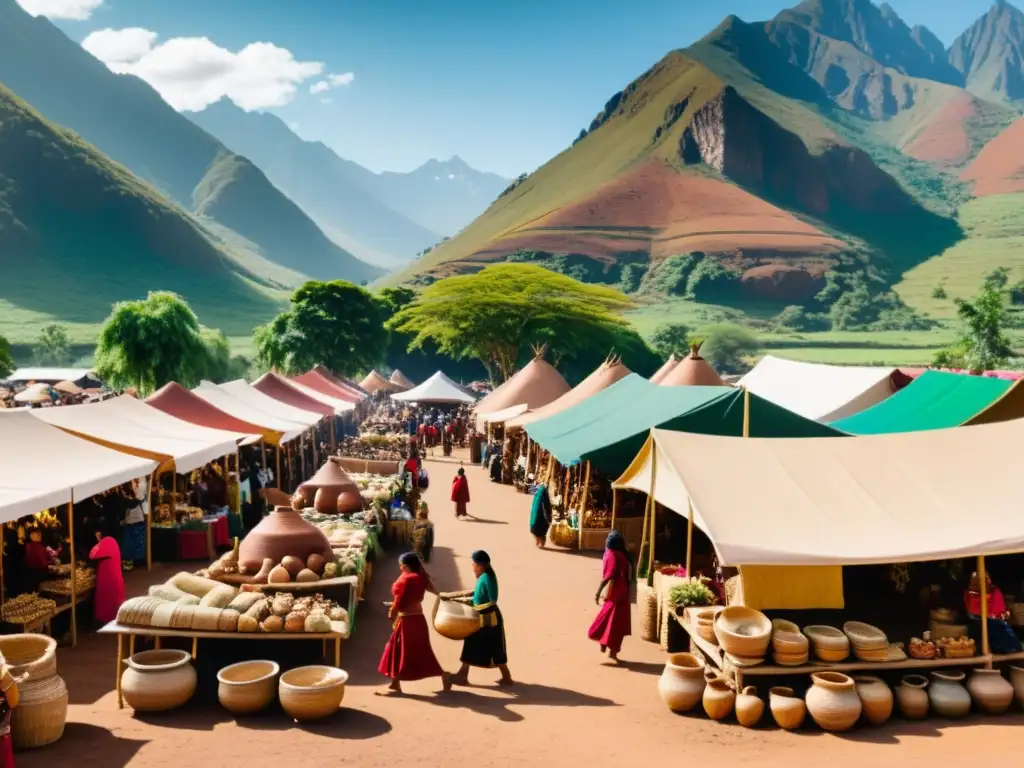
x=196 y=545
x=340 y=630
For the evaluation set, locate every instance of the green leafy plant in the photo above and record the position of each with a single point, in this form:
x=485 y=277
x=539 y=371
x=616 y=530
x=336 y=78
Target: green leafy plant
x=691 y=592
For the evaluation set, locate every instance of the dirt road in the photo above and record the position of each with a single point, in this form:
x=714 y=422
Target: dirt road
x=567 y=704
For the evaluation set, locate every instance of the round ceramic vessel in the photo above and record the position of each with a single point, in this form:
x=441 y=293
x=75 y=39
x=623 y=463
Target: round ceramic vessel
x=156 y=681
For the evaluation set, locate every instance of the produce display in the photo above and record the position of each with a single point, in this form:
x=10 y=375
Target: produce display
x=27 y=609
x=85 y=580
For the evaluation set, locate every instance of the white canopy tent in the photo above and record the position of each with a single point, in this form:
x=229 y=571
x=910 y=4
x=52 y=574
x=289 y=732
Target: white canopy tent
x=890 y=498
x=437 y=389
x=824 y=393
x=240 y=409
x=340 y=407
x=242 y=390
x=131 y=426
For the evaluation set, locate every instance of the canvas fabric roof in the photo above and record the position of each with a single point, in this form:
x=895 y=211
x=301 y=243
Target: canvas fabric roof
x=500 y=417
x=341 y=381
x=907 y=497
x=174 y=400
x=666 y=367
x=247 y=408
x=280 y=389
x=604 y=376
x=317 y=381
x=246 y=392
x=131 y=426
x=610 y=427
x=535 y=385
x=820 y=392
x=399 y=378
x=45 y=466
x=692 y=371
x=437 y=389
x=53 y=375
x=934 y=400
x=340 y=405
x=374 y=383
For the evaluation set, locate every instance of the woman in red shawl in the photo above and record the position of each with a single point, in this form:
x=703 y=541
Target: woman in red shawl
x=109 y=591
x=460 y=493
x=408 y=655
x=613 y=623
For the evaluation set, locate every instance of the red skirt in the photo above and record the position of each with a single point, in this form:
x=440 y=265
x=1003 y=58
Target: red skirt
x=461 y=509
x=408 y=655
x=611 y=625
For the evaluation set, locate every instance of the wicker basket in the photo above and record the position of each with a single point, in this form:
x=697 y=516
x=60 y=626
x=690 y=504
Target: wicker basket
x=562 y=535
x=312 y=693
x=248 y=686
x=41 y=713
x=30 y=654
x=648 y=604
x=594 y=538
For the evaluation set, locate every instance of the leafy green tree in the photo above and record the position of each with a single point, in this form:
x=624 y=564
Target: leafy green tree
x=727 y=347
x=6 y=360
x=497 y=314
x=335 y=324
x=52 y=347
x=671 y=339
x=150 y=342
x=984 y=344
x=632 y=277
x=221 y=365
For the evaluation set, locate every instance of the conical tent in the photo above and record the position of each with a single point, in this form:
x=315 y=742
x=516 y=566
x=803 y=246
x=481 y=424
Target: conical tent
x=339 y=380
x=374 y=383
x=401 y=380
x=609 y=372
x=437 y=389
x=665 y=369
x=315 y=380
x=692 y=371
x=536 y=385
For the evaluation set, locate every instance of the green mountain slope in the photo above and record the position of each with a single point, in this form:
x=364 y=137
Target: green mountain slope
x=79 y=232
x=126 y=119
x=990 y=54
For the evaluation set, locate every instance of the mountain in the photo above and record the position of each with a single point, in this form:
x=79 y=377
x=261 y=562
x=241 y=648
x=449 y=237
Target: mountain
x=79 y=232
x=129 y=121
x=332 y=190
x=990 y=54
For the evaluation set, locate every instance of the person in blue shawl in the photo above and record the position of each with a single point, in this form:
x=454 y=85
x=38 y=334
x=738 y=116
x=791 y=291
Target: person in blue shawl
x=540 y=514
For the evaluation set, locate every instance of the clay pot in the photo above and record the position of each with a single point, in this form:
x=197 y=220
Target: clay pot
x=312 y=693
x=788 y=709
x=324 y=489
x=719 y=698
x=947 y=695
x=156 y=681
x=682 y=683
x=912 y=696
x=749 y=707
x=832 y=701
x=281 y=533
x=875 y=698
x=1017 y=680
x=990 y=692
x=248 y=686
x=455 y=620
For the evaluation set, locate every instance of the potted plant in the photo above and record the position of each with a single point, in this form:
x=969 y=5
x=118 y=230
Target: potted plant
x=689 y=593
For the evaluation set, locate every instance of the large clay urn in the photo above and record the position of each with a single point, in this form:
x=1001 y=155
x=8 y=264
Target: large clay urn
x=332 y=491
x=990 y=691
x=912 y=696
x=681 y=684
x=833 y=701
x=281 y=533
x=876 y=698
x=156 y=681
x=749 y=707
x=947 y=695
x=719 y=698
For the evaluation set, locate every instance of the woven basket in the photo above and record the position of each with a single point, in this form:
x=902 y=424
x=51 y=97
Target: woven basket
x=41 y=713
x=562 y=535
x=29 y=654
x=743 y=631
x=647 y=601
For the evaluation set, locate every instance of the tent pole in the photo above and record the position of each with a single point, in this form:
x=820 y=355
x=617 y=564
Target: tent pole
x=615 y=504
x=689 y=537
x=982 y=586
x=551 y=470
x=149 y=520
x=746 y=412
x=74 y=581
x=643 y=536
x=277 y=456
x=654 y=511
x=263 y=453
x=528 y=459
x=334 y=428
x=316 y=458
x=288 y=461
x=584 y=498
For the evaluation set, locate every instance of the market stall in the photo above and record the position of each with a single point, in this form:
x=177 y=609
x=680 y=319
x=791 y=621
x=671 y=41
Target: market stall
x=534 y=386
x=439 y=390
x=400 y=379
x=663 y=371
x=376 y=384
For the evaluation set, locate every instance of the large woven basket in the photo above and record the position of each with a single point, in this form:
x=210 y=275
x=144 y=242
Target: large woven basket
x=562 y=535
x=39 y=718
x=30 y=654
x=647 y=601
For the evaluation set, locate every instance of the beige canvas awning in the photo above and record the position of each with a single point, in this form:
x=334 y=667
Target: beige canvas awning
x=248 y=394
x=44 y=466
x=239 y=409
x=340 y=406
x=812 y=501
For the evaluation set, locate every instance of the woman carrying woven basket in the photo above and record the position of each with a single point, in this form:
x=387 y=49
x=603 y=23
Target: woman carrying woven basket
x=612 y=623
x=408 y=655
x=485 y=647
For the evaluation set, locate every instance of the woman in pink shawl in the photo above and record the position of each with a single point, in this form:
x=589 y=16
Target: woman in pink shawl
x=109 y=592
x=613 y=620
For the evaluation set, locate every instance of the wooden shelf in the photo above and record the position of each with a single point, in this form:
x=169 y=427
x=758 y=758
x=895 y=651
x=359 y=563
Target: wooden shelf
x=998 y=657
x=339 y=630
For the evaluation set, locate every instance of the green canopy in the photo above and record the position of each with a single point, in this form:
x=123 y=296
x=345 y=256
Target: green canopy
x=934 y=400
x=610 y=428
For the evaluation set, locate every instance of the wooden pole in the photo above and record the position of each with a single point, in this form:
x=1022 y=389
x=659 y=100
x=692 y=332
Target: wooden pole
x=746 y=412
x=615 y=504
x=584 y=498
x=689 y=537
x=277 y=456
x=984 y=608
x=654 y=511
x=551 y=470
x=263 y=453
x=149 y=520
x=74 y=581
x=288 y=461
x=643 y=535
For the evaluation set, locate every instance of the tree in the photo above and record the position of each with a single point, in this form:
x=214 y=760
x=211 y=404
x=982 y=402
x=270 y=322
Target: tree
x=52 y=347
x=148 y=343
x=497 y=314
x=997 y=279
x=984 y=345
x=726 y=347
x=335 y=324
x=221 y=365
x=6 y=360
x=671 y=339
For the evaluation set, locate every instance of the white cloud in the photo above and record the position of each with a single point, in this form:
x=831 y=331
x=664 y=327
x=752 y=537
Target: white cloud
x=193 y=72
x=326 y=100
x=319 y=87
x=75 y=10
x=332 y=81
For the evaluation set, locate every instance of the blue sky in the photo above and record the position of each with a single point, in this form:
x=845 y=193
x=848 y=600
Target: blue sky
x=505 y=85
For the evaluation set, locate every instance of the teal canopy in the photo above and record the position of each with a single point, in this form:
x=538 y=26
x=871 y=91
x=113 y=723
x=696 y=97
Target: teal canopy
x=934 y=400
x=609 y=428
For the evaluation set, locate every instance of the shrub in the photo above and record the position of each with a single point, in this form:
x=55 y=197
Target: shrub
x=632 y=275
x=799 y=319
x=939 y=292
x=727 y=347
x=710 y=280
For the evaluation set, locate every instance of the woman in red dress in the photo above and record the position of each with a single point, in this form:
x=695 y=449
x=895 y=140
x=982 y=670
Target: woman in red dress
x=460 y=493
x=408 y=655
x=613 y=622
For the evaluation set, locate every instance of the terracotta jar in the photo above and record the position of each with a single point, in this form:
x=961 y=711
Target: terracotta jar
x=990 y=692
x=1017 y=680
x=681 y=684
x=875 y=698
x=832 y=701
x=788 y=709
x=281 y=533
x=749 y=707
x=156 y=681
x=912 y=696
x=331 y=491
x=719 y=697
x=947 y=695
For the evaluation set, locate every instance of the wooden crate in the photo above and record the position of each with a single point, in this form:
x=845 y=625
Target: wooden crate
x=594 y=538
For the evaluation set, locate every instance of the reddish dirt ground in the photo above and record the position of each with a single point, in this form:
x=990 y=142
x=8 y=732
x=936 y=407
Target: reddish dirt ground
x=568 y=704
x=999 y=167
x=944 y=140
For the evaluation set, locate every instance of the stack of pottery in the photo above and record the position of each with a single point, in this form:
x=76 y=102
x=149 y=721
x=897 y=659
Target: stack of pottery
x=719 y=698
x=743 y=633
x=869 y=643
x=331 y=491
x=991 y=693
x=789 y=645
x=157 y=681
x=42 y=708
x=875 y=698
x=788 y=709
x=704 y=623
x=682 y=682
x=829 y=643
x=912 y=696
x=947 y=695
x=833 y=701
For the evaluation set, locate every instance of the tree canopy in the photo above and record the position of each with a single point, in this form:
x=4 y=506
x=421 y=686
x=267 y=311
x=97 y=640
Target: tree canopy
x=499 y=313
x=671 y=339
x=726 y=347
x=52 y=347
x=983 y=344
x=6 y=360
x=335 y=324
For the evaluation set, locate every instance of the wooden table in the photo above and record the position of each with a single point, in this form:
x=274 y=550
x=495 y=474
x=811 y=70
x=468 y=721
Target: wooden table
x=339 y=631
